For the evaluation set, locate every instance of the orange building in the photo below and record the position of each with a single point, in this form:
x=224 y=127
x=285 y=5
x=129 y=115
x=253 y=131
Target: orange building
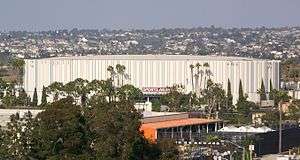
x=177 y=126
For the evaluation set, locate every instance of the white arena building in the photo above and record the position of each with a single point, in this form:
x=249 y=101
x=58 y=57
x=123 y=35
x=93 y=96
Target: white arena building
x=153 y=73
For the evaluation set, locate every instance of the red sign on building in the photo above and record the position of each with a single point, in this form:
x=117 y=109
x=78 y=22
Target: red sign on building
x=155 y=90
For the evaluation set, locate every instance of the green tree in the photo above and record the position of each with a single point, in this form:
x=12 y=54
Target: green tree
x=102 y=90
x=108 y=130
x=271 y=119
x=4 y=154
x=229 y=94
x=294 y=74
x=142 y=149
x=241 y=92
x=129 y=92
x=44 y=96
x=35 y=98
x=214 y=97
x=169 y=150
x=156 y=105
x=212 y=138
x=78 y=89
x=244 y=109
x=115 y=126
x=22 y=99
x=18 y=64
x=61 y=132
x=3 y=87
x=18 y=136
x=176 y=100
x=192 y=76
x=228 y=110
x=10 y=98
x=271 y=96
x=262 y=91
x=56 y=89
x=293 y=112
x=279 y=95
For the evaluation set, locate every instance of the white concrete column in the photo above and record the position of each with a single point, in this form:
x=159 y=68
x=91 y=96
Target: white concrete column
x=216 y=126
x=181 y=132
x=206 y=128
x=190 y=132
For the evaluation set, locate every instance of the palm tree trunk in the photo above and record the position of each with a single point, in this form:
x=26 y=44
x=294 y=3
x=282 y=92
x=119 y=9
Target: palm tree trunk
x=122 y=80
x=201 y=81
x=196 y=83
x=204 y=84
x=192 y=80
x=20 y=77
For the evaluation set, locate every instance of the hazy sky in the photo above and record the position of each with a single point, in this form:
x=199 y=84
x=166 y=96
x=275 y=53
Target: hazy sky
x=147 y=14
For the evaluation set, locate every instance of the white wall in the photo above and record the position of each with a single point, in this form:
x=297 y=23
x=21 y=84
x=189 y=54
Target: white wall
x=6 y=113
x=153 y=71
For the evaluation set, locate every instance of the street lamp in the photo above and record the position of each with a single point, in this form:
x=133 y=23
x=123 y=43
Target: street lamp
x=280 y=127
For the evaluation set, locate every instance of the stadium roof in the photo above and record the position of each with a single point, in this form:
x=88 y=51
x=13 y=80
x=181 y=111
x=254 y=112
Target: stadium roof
x=155 y=57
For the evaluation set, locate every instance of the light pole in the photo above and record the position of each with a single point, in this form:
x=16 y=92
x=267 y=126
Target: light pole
x=280 y=127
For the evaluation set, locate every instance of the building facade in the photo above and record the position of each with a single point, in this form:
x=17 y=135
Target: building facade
x=178 y=126
x=154 y=73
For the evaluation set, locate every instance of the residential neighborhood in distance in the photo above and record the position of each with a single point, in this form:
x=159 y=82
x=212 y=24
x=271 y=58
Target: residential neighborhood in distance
x=150 y=80
x=271 y=43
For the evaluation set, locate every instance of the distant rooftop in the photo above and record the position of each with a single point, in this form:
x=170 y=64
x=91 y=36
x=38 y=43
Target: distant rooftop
x=155 y=57
x=148 y=114
x=179 y=122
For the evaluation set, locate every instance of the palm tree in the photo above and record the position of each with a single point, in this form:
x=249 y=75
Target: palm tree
x=201 y=72
x=121 y=73
x=206 y=72
x=192 y=76
x=112 y=72
x=198 y=65
x=118 y=68
x=123 y=68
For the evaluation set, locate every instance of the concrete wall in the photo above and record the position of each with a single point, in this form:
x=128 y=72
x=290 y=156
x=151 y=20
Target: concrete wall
x=154 y=71
x=6 y=113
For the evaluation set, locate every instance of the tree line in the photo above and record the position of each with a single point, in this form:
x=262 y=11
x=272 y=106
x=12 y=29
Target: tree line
x=104 y=125
x=214 y=102
x=13 y=95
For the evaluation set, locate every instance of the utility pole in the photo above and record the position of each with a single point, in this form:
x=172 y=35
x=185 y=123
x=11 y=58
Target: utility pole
x=280 y=127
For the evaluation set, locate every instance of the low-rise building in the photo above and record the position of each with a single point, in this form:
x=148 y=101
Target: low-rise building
x=177 y=126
